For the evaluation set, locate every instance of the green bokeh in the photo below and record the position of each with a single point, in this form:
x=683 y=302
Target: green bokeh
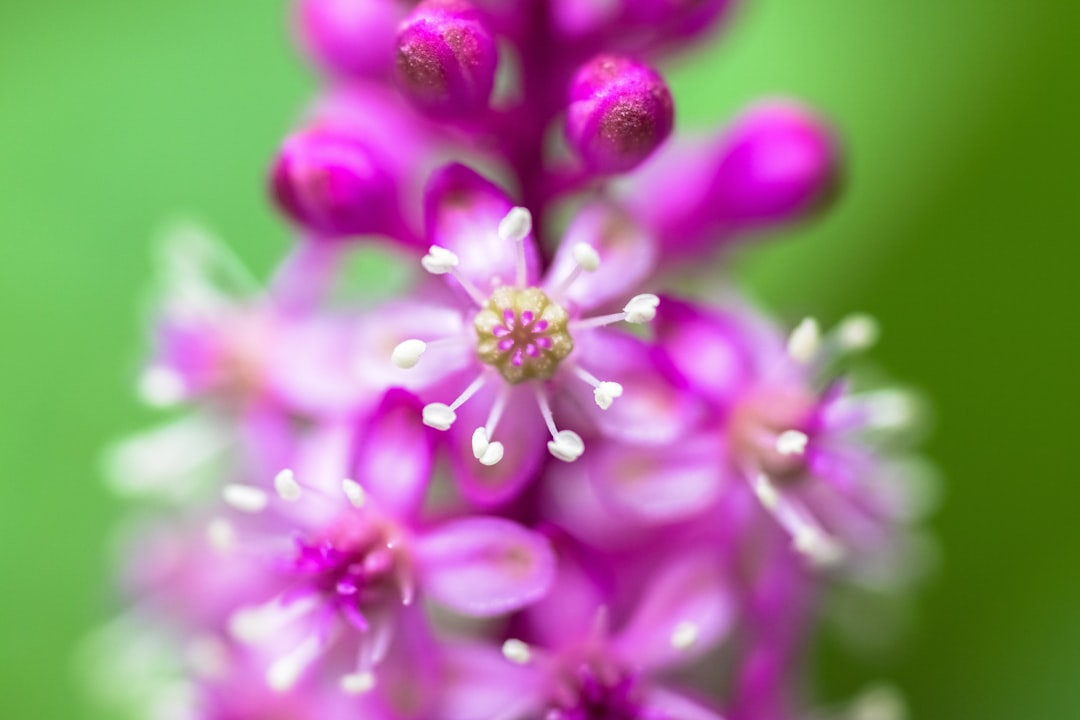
x=957 y=229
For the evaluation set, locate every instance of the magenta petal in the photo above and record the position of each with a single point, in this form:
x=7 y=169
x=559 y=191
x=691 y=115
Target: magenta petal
x=312 y=368
x=484 y=566
x=654 y=408
x=462 y=212
x=662 y=703
x=522 y=433
x=690 y=591
x=394 y=454
x=478 y=682
x=627 y=256
x=659 y=484
x=711 y=351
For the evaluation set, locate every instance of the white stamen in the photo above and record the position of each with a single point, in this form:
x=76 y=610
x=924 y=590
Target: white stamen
x=516 y=226
x=822 y=550
x=287 y=487
x=245 y=498
x=358 y=683
x=586 y=257
x=407 y=354
x=605 y=394
x=439 y=416
x=253 y=624
x=805 y=341
x=517 y=651
x=857 y=332
x=880 y=702
x=685 y=635
x=221 y=535
x=161 y=387
x=284 y=673
x=356 y=495
x=487 y=452
x=641 y=308
x=766 y=492
x=566 y=445
x=791 y=442
x=888 y=409
x=439 y=260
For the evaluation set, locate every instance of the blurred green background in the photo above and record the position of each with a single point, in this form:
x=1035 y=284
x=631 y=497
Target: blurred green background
x=958 y=229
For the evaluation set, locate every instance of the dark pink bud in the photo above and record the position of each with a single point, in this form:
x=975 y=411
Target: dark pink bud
x=353 y=38
x=446 y=58
x=620 y=111
x=777 y=162
x=678 y=18
x=334 y=185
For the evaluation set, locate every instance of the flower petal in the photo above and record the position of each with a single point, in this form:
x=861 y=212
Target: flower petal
x=660 y=702
x=627 y=256
x=484 y=566
x=523 y=435
x=478 y=682
x=394 y=455
x=462 y=212
x=708 y=349
x=686 y=609
x=659 y=484
x=654 y=408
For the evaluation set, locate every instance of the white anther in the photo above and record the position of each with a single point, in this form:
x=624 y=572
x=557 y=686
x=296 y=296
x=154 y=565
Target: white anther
x=517 y=651
x=358 y=683
x=487 y=452
x=791 y=442
x=685 y=635
x=804 y=341
x=641 y=308
x=567 y=446
x=161 y=386
x=858 y=332
x=889 y=409
x=606 y=392
x=439 y=260
x=516 y=226
x=878 y=703
x=407 y=354
x=287 y=487
x=354 y=492
x=245 y=498
x=586 y=257
x=286 y=670
x=766 y=492
x=439 y=416
x=221 y=535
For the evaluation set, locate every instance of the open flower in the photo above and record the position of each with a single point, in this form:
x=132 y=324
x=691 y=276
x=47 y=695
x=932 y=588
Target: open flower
x=351 y=553
x=519 y=347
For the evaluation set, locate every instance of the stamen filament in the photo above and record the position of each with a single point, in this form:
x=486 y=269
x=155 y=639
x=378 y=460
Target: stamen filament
x=598 y=321
x=469 y=392
x=473 y=291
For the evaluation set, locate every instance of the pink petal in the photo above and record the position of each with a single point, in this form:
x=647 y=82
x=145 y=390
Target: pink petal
x=655 y=407
x=712 y=351
x=689 y=591
x=394 y=455
x=462 y=212
x=478 y=682
x=484 y=566
x=659 y=702
x=523 y=435
x=627 y=256
x=659 y=483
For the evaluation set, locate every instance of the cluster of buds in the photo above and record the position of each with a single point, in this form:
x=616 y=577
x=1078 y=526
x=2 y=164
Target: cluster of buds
x=533 y=484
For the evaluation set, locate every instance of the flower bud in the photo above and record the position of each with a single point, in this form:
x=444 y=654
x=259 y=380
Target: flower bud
x=620 y=111
x=333 y=185
x=776 y=163
x=446 y=58
x=350 y=38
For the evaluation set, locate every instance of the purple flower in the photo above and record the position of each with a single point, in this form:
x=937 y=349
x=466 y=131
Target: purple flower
x=351 y=553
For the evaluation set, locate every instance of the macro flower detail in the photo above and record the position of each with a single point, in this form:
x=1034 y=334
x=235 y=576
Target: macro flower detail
x=377 y=500
x=523 y=332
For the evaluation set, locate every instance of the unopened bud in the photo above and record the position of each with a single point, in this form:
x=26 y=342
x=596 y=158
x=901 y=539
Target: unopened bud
x=446 y=58
x=333 y=185
x=619 y=112
x=349 y=38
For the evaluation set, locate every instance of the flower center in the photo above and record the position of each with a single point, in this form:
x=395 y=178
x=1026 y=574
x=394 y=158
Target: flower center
x=523 y=334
